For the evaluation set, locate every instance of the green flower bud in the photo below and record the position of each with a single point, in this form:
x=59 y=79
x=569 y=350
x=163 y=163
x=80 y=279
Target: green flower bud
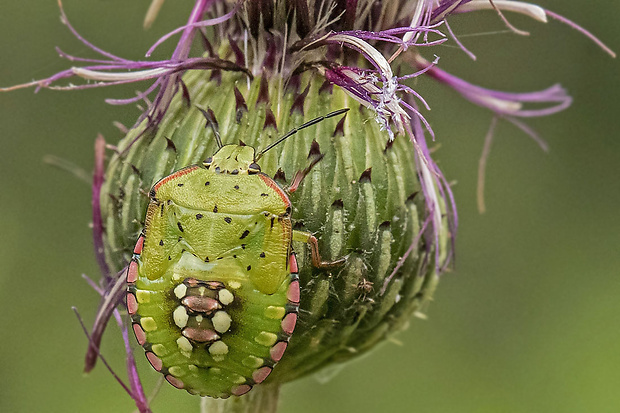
x=362 y=201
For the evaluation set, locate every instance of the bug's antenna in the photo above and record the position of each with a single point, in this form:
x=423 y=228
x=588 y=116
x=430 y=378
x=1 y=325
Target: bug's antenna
x=297 y=129
x=212 y=122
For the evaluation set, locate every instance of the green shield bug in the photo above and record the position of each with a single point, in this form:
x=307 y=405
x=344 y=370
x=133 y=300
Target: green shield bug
x=212 y=288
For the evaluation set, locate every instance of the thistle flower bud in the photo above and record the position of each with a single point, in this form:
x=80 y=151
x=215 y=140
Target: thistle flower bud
x=367 y=186
x=362 y=201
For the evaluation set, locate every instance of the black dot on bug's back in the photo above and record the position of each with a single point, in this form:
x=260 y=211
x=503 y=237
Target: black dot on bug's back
x=243 y=246
x=262 y=254
x=180 y=184
x=228 y=220
x=169 y=258
x=245 y=234
x=207 y=183
x=180 y=226
x=215 y=208
x=263 y=194
x=236 y=186
x=198 y=216
x=249 y=267
x=161 y=242
x=206 y=259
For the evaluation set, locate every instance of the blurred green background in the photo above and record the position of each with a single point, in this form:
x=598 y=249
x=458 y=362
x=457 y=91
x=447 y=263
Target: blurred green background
x=527 y=322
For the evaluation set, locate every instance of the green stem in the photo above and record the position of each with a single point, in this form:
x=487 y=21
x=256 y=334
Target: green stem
x=262 y=399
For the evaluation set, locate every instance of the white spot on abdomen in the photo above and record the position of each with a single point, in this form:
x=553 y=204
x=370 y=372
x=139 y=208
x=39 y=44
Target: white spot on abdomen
x=225 y=297
x=180 y=316
x=180 y=291
x=221 y=321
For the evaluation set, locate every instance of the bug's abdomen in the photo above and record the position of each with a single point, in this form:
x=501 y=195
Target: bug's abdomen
x=206 y=326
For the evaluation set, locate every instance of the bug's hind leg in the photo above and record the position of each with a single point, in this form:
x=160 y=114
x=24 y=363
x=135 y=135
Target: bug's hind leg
x=317 y=261
x=314 y=157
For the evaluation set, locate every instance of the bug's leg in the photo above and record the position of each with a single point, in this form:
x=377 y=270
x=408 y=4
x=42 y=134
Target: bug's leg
x=314 y=156
x=317 y=261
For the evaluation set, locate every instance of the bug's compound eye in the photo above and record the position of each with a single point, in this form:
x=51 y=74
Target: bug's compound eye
x=254 y=168
x=207 y=163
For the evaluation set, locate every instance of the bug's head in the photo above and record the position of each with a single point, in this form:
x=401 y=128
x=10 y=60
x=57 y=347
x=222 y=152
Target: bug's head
x=234 y=160
x=229 y=159
x=241 y=159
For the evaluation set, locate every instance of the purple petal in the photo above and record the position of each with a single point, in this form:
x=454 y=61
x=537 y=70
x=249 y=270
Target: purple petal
x=65 y=21
x=583 y=31
x=137 y=392
x=204 y=23
x=105 y=362
x=482 y=164
x=503 y=103
x=112 y=297
x=98 y=179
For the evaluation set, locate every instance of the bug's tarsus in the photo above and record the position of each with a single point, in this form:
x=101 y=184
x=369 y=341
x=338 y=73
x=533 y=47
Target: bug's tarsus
x=317 y=261
x=212 y=122
x=298 y=128
x=316 y=257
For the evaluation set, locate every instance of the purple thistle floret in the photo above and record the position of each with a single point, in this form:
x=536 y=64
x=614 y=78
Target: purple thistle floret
x=396 y=105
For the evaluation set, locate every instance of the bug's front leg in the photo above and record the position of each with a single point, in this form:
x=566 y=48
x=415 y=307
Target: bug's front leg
x=317 y=261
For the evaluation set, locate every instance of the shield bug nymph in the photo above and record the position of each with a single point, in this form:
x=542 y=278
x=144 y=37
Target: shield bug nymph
x=213 y=291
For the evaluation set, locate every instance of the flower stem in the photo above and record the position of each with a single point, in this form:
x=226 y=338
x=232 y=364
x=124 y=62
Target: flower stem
x=262 y=399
